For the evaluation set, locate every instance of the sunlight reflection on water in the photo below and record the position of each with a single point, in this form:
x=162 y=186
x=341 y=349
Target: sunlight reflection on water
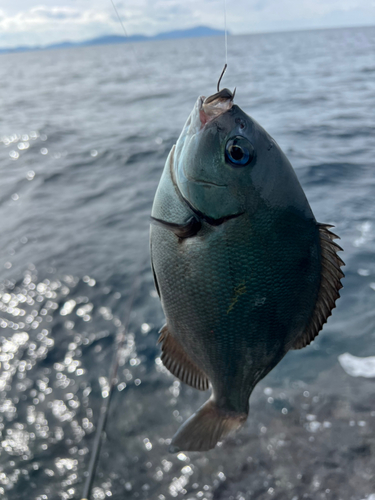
x=80 y=159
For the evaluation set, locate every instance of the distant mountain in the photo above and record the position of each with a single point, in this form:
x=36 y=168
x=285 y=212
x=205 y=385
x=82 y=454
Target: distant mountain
x=198 y=31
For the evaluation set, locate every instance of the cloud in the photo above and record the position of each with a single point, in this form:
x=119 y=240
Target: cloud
x=56 y=13
x=42 y=25
x=48 y=17
x=81 y=19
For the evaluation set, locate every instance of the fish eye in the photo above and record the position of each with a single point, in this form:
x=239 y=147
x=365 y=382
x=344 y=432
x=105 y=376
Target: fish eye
x=239 y=151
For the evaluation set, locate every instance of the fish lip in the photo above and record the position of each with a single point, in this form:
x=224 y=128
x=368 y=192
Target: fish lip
x=212 y=107
x=209 y=183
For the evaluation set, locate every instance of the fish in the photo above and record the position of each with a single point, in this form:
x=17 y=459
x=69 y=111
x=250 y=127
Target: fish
x=243 y=270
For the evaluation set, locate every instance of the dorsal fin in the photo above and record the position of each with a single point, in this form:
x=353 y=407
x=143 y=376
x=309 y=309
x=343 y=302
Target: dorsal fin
x=176 y=360
x=330 y=285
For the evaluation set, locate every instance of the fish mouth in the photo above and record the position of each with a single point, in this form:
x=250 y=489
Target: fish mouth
x=205 y=110
x=207 y=183
x=215 y=105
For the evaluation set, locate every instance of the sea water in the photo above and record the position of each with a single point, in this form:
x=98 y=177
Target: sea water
x=84 y=134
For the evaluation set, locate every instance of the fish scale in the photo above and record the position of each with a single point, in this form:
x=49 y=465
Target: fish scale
x=186 y=299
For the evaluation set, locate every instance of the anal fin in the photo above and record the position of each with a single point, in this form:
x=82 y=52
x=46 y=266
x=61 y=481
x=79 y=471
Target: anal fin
x=176 y=360
x=330 y=284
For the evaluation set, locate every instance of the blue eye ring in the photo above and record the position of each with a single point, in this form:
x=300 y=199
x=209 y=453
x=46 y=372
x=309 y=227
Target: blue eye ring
x=239 y=151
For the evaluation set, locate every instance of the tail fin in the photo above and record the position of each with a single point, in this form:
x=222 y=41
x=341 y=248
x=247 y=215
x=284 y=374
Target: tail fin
x=205 y=428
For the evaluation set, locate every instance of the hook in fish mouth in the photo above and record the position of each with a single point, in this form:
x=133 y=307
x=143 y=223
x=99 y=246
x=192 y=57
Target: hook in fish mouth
x=216 y=104
x=221 y=76
x=218 y=83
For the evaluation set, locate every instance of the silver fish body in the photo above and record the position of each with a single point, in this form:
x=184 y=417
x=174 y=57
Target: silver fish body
x=243 y=270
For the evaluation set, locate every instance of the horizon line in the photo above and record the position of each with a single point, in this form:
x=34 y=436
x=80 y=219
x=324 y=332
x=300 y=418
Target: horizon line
x=147 y=38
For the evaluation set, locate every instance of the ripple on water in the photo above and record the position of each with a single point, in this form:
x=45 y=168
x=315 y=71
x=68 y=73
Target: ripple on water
x=75 y=197
x=43 y=381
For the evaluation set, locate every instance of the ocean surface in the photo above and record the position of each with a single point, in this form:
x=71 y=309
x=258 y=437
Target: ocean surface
x=84 y=134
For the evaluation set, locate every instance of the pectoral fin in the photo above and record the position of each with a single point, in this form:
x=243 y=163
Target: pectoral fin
x=330 y=285
x=186 y=230
x=176 y=360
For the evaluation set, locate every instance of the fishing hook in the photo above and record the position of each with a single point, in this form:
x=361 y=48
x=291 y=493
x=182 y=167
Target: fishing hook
x=221 y=76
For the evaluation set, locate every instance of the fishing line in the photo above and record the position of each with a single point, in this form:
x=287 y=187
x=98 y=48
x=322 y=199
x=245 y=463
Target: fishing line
x=136 y=58
x=226 y=46
x=119 y=18
x=104 y=410
x=226 y=33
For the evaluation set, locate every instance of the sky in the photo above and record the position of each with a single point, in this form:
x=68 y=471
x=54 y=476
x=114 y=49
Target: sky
x=25 y=22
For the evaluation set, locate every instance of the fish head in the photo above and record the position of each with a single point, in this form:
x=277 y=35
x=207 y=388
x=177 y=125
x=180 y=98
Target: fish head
x=226 y=164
